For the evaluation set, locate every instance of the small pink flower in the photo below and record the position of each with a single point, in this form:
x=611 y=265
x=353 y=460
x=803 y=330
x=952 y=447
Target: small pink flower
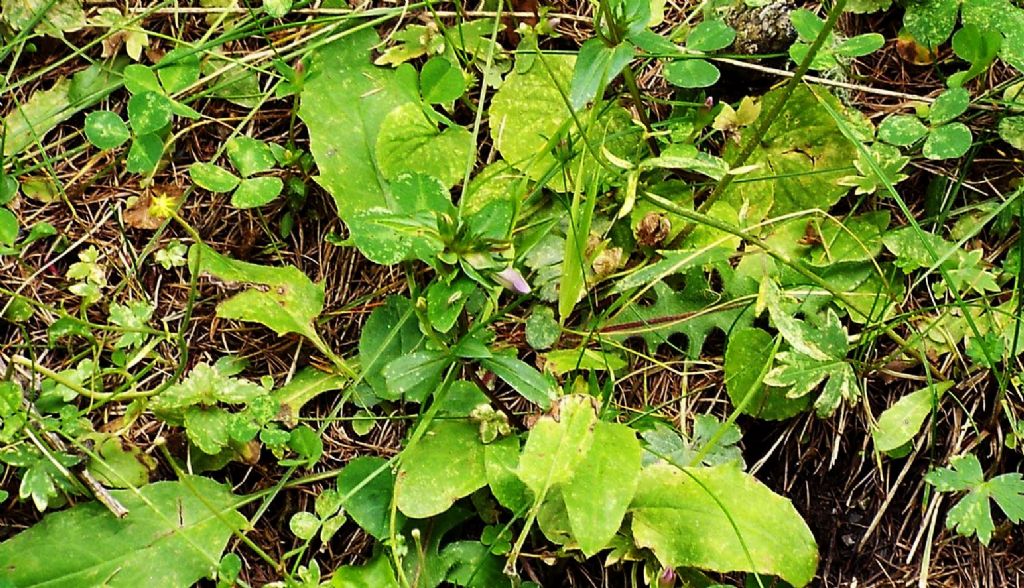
x=667 y=579
x=513 y=280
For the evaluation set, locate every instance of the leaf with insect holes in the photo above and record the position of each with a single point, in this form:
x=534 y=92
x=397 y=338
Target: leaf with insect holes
x=280 y=298
x=105 y=129
x=446 y=464
x=721 y=519
x=172 y=536
x=972 y=515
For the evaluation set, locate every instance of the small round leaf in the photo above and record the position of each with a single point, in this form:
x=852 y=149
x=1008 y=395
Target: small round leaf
x=144 y=154
x=106 y=130
x=8 y=189
x=948 y=142
x=901 y=130
x=542 y=329
x=440 y=81
x=254 y=192
x=1011 y=130
x=691 y=73
x=949 y=105
x=213 y=177
x=250 y=156
x=148 y=112
x=8 y=227
x=304 y=525
x=710 y=35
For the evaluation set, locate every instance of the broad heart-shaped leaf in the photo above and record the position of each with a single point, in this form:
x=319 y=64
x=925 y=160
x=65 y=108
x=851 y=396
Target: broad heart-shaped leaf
x=409 y=142
x=901 y=421
x=144 y=154
x=691 y=73
x=148 y=112
x=440 y=81
x=105 y=129
x=528 y=111
x=948 y=141
x=949 y=105
x=170 y=538
x=931 y=21
x=445 y=465
x=972 y=515
x=555 y=448
x=343 y=103
x=280 y=298
x=596 y=66
x=802 y=156
x=377 y=573
x=721 y=519
x=747 y=353
x=603 y=485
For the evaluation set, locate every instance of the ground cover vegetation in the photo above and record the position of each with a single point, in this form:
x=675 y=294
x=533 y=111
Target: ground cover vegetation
x=588 y=293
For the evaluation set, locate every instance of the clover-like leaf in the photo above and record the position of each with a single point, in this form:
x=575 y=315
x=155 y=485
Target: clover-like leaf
x=105 y=129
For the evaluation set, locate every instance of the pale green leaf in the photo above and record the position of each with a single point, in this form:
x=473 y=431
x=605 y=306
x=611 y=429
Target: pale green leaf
x=901 y=421
x=212 y=177
x=105 y=129
x=446 y=464
x=249 y=156
x=555 y=448
x=721 y=519
x=256 y=192
x=409 y=142
x=748 y=351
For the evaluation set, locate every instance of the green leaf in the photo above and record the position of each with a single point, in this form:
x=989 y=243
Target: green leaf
x=931 y=21
x=375 y=574
x=555 y=448
x=256 y=192
x=304 y=525
x=277 y=8
x=949 y=105
x=370 y=505
x=409 y=142
x=603 y=485
x=307 y=384
x=596 y=66
x=806 y=23
x=415 y=376
x=249 y=156
x=721 y=519
x=522 y=128
x=8 y=227
x=445 y=465
x=542 y=330
x=860 y=45
x=144 y=154
x=902 y=130
x=948 y=141
x=212 y=177
x=343 y=133
x=1011 y=130
x=148 y=112
x=691 y=73
x=138 y=78
x=178 y=69
x=440 y=81
x=972 y=515
x=207 y=428
x=710 y=35
x=119 y=466
x=280 y=298
x=526 y=380
x=445 y=302
x=748 y=351
x=501 y=462
x=170 y=538
x=858 y=238
x=901 y=421
x=391 y=332
x=802 y=156
x=105 y=129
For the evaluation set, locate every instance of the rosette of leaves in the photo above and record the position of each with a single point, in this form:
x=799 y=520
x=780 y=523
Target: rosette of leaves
x=835 y=51
x=250 y=157
x=878 y=165
x=944 y=138
x=201 y=402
